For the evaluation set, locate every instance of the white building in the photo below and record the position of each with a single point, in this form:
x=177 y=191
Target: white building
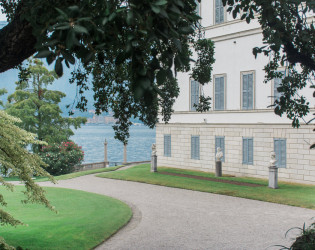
x=240 y=121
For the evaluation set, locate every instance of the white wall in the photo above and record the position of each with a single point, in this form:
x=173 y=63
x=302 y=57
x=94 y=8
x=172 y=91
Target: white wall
x=234 y=42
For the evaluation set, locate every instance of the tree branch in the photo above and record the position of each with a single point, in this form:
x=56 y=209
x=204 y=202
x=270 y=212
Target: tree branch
x=17 y=43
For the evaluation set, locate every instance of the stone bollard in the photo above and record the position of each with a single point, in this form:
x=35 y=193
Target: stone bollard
x=218 y=162
x=273 y=172
x=153 y=159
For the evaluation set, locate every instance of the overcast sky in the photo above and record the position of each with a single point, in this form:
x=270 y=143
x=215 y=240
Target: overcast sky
x=2 y=16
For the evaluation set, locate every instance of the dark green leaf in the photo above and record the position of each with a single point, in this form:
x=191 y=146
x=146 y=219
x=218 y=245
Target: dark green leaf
x=58 y=67
x=43 y=54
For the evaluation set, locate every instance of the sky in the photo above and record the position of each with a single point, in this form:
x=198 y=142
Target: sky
x=2 y=16
x=8 y=78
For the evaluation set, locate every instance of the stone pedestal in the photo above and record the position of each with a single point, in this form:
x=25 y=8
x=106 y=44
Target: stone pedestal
x=218 y=169
x=273 y=177
x=153 y=163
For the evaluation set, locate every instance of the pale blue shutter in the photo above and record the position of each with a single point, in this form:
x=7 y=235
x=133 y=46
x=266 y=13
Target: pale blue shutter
x=277 y=150
x=219 y=93
x=217 y=11
x=222 y=93
x=197 y=8
x=250 y=151
x=221 y=11
x=250 y=91
x=194 y=99
x=283 y=153
x=245 y=151
x=245 y=91
x=216 y=93
x=167 y=145
x=195 y=148
x=280 y=150
x=276 y=84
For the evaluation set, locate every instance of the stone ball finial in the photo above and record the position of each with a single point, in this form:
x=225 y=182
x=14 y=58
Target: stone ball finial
x=219 y=154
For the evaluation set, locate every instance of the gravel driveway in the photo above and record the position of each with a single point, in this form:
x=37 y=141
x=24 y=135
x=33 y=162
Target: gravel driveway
x=170 y=218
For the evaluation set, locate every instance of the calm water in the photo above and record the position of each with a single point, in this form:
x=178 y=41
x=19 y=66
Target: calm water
x=91 y=137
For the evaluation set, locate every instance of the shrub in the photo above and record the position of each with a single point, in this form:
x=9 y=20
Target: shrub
x=62 y=158
x=306 y=241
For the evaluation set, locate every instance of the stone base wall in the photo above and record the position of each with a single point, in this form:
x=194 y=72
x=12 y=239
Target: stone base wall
x=300 y=159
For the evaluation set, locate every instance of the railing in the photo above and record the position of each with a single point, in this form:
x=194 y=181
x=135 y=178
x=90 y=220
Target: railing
x=103 y=164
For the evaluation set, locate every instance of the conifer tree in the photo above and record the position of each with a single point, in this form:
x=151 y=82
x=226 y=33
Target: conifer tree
x=38 y=107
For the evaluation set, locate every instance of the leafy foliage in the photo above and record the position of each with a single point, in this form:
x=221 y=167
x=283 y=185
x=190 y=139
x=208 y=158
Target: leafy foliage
x=304 y=241
x=38 y=106
x=15 y=160
x=289 y=35
x=62 y=158
x=131 y=50
x=2 y=92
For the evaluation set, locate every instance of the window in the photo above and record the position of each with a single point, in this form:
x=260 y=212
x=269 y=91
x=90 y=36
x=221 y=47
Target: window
x=197 y=8
x=219 y=93
x=276 y=84
x=167 y=145
x=194 y=94
x=219 y=12
x=195 y=152
x=248 y=151
x=219 y=142
x=248 y=91
x=281 y=154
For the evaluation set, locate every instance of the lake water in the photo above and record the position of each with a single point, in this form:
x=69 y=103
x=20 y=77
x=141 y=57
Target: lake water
x=91 y=137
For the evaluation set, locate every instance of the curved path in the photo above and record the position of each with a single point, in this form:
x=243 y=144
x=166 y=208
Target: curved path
x=170 y=218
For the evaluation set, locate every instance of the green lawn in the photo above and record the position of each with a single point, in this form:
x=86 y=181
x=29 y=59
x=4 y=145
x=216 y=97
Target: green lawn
x=71 y=175
x=290 y=194
x=83 y=220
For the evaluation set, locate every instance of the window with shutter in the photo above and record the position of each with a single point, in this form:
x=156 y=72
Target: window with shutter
x=194 y=94
x=248 y=91
x=276 y=84
x=219 y=93
x=167 y=145
x=219 y=142
x=219 y=12
x=197 y=8
x=281 y=154
x=248 y=151
x=195 y=147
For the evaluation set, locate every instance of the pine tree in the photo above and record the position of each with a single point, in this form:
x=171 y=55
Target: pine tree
x=38 y=107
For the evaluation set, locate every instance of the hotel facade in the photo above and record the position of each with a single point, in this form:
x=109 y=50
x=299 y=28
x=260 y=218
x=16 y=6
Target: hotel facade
x=241 y=120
